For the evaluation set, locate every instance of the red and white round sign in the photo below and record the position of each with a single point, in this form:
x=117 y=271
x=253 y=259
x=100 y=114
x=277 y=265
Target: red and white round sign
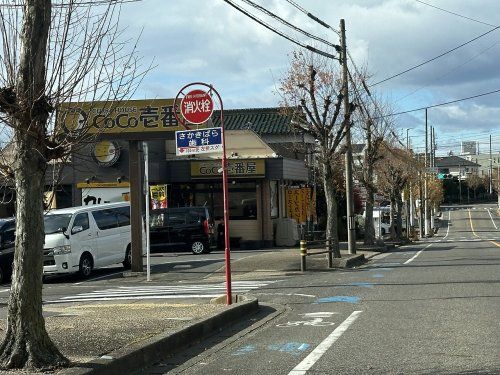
x=197 y=106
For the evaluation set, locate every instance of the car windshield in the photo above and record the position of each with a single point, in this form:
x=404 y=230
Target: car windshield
x=56 y=223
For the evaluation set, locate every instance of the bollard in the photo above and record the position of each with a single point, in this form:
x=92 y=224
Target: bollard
x=330 y=252
x=303 y=255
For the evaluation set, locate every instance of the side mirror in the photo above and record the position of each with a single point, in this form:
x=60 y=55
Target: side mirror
x=77 y=229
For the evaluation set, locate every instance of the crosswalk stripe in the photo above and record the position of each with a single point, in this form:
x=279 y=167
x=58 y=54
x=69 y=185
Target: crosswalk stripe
x=162 y=292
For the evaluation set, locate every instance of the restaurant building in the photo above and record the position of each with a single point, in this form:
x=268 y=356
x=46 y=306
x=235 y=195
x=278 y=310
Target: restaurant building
x=265 y=161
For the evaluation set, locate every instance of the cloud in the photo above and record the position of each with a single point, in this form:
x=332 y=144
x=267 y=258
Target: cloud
x=210 y=41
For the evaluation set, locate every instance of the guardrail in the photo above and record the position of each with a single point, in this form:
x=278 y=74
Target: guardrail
x=305 y=247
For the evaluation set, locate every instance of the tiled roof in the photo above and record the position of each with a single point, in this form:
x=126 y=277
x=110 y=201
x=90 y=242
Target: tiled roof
x=454 y=161
x=260 y=120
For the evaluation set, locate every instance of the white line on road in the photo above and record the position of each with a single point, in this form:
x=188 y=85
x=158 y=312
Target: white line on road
x=429 y=245
x=493 y=221
x=417 y=254
x=449 y=221
x=321 y=349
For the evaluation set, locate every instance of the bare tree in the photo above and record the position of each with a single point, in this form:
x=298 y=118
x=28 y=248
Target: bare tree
x=313 y=84
x=375 y=130
x=394 y=175
x=52 y=53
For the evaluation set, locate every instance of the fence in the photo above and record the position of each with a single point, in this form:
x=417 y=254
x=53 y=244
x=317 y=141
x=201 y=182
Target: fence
x=305 y=247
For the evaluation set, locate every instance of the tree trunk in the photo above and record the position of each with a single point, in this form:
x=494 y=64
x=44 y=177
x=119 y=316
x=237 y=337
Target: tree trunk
x=331 y=209
x=399 y=217
x=392 y=228
x=369 y=226
x=26 y=343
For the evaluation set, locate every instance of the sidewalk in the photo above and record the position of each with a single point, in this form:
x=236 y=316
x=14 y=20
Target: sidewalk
x=113 y=337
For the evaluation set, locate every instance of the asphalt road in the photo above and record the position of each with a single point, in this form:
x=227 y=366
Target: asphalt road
x=431 y=308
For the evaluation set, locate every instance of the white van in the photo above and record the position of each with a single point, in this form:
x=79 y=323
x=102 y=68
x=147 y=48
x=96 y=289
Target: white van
x=79 y=239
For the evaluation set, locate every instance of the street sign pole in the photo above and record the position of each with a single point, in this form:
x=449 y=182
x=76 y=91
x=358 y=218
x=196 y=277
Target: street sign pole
x=146 y=190
x=196 y=108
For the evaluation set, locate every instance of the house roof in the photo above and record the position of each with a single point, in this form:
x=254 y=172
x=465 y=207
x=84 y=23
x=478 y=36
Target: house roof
x=260 y=120
x=454 y=161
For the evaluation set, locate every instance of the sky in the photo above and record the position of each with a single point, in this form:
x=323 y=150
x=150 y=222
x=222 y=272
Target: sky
x=210 y=41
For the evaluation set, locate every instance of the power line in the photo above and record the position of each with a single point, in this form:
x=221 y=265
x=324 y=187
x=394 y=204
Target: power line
x=286 y=23
x=455 y=14
x=435 y=58
x=312 y=16
x=442 y=104
x=283 y=35
x=438 y=78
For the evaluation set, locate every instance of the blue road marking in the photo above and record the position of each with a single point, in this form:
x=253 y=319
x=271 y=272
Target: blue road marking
x=378 y=275
x=348 y=299
x=294 y=348
x=364 y=285
x=247 y=349
x=385 y=269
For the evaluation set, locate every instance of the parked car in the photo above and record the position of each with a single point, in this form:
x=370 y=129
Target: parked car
x=7 y=246
x=182 y=227
x=79 y=239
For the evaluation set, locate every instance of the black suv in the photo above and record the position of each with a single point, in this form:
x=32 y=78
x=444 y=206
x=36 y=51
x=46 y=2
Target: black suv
x=7 y=245
x=190 y=227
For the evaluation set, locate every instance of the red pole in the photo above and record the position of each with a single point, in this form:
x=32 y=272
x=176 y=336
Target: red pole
x=227 y=251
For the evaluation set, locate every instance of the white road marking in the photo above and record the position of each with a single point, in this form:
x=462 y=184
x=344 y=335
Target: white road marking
x=163 y=292
x=4 y=290
x=493 y=221
x=417 y=254
x=429 y=245
x=321 y=349
x=448 y=229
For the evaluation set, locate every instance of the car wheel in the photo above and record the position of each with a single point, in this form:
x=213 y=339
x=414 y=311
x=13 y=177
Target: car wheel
x=86 y=265
x=198 y=247
x=127 y=263
x=383 y=232
x=2 y=275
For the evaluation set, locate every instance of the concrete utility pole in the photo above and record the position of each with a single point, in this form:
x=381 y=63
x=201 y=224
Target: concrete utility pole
x=351 y=227
x=433 y=151
x=426 y=197
x=491 y=171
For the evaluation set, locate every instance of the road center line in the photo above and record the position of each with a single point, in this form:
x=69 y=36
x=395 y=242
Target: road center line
x=321 y=349
x=493 y=221
x=472 y=226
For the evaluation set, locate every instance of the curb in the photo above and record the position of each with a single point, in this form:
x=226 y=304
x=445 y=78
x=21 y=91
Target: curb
x=352 y=261
x=145 y=353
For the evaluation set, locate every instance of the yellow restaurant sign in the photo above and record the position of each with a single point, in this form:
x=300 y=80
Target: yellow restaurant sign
x=83 y=185
x=131 y=116
x=235 y=168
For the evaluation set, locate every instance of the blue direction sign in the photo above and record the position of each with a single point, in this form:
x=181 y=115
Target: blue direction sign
x=202 y=141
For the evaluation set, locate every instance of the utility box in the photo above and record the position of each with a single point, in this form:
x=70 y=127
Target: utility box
x=287 y=233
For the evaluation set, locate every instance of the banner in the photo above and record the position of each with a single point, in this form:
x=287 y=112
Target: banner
x=158 y=196
x=301 y=204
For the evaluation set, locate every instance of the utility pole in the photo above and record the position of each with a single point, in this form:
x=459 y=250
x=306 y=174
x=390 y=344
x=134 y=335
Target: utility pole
x=351 y=227
x=491 y=171
x=433 y=151
x=426 y=197
x=460 y=184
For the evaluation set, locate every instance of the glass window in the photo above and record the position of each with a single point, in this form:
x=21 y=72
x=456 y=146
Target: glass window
x=105 y=219
x=123 y=215
x=56 y=223
x=9 y=233
x=157 y=218
x=81 y=220
x=176 y=218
